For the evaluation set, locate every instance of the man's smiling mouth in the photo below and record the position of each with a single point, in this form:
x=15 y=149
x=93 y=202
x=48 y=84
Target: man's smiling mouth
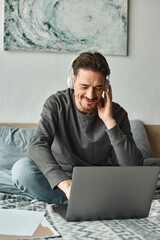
x=90 y=101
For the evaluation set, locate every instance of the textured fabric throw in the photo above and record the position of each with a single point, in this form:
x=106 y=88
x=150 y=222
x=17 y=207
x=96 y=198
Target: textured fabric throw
x=137 y=229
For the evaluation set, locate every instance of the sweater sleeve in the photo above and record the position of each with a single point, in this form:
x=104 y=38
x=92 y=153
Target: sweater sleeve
x=125 y=151
x=39 y=147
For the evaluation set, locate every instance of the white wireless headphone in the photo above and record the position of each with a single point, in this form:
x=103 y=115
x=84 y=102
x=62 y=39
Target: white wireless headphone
x=70 y=74
x=70 y=77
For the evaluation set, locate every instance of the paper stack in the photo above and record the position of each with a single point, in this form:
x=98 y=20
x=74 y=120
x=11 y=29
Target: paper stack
x=19 y=224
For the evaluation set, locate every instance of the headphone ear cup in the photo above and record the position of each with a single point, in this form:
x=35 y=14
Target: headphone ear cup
x=70 y=79
x=70 y=76
x=70 y=82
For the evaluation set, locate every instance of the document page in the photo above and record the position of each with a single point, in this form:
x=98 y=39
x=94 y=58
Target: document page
x=20 y=223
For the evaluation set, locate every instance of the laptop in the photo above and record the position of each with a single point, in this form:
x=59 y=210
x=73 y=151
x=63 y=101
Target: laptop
x=101 y=192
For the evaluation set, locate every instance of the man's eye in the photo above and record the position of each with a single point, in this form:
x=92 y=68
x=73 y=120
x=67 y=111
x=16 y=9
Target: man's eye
x=83 y=87
x=98 y=88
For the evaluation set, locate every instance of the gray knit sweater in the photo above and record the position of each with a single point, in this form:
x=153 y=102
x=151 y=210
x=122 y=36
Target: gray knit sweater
x=66 y=138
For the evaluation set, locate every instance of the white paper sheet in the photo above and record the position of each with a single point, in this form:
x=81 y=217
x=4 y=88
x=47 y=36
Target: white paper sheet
x=19 y=222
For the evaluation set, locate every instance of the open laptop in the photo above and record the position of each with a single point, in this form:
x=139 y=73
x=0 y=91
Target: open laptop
x=99 y=193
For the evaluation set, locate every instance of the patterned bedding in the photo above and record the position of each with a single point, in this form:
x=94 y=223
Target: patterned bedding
x=13 y=145
x=132 y=229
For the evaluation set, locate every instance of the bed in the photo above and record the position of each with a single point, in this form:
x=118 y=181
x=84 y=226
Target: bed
x=13 y=146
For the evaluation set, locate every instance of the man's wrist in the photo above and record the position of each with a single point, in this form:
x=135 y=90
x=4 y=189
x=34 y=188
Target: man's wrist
x=64 y=184
x=110 y=123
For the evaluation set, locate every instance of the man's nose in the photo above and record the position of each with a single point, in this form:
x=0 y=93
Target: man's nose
x=90 y=93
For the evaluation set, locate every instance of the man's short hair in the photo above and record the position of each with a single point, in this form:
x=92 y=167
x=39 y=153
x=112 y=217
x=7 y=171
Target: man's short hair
x=93 y=61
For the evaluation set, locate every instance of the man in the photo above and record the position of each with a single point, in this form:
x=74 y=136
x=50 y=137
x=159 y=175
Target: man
x=78 y=127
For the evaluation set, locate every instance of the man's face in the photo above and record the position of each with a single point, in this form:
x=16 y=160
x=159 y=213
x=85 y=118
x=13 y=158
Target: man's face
x=88 y=89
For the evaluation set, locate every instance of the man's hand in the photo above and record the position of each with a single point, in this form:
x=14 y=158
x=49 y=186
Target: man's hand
x=105 y=113
x=65 y=186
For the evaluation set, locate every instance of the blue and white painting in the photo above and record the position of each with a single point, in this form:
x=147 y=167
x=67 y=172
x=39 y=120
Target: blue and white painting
x=66 y=25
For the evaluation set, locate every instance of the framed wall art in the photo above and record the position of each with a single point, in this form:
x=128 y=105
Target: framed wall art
x=66 y=26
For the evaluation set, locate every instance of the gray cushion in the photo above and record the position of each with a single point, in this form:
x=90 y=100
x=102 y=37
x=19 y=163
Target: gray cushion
x=13 y=145
x=140 y=137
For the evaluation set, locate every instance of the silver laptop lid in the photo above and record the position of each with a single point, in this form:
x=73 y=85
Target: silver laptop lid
x=99 y=193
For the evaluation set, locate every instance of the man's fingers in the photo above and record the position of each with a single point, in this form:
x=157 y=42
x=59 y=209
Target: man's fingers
x=108 y=95
x=110 y=92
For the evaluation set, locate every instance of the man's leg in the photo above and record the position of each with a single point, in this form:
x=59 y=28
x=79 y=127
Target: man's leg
x=29 y=179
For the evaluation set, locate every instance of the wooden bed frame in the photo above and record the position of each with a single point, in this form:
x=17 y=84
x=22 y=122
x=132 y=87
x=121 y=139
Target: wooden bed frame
x=153 y=132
